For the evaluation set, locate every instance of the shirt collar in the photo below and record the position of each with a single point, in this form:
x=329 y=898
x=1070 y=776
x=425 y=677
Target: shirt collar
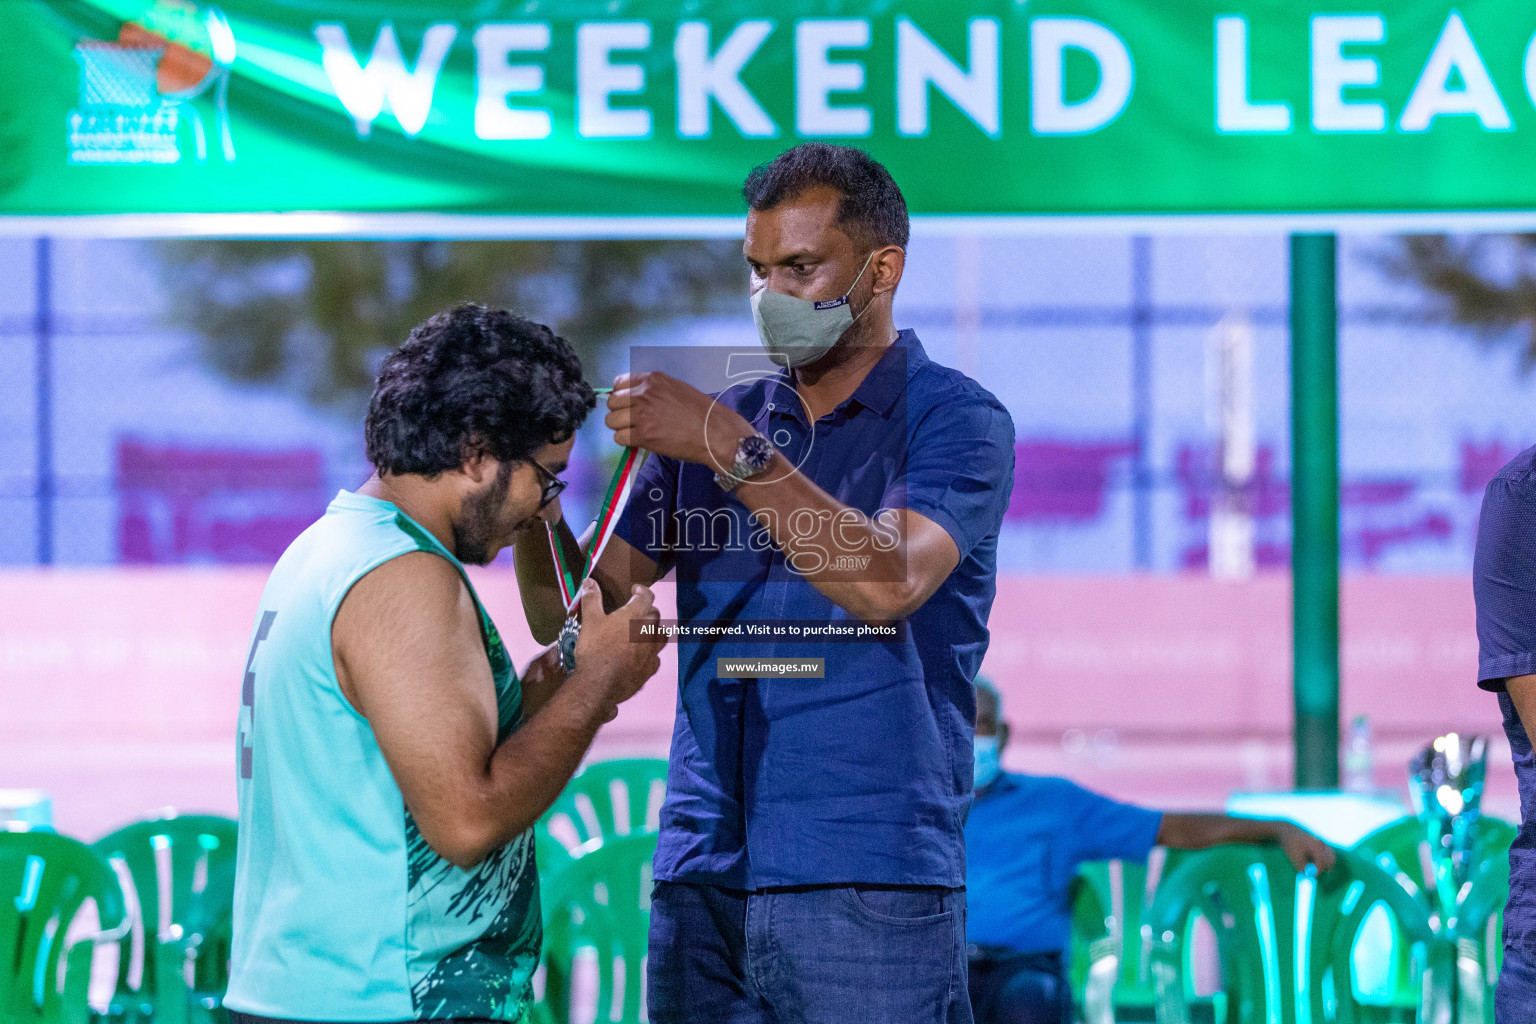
x=885 y=382
x=887 y=379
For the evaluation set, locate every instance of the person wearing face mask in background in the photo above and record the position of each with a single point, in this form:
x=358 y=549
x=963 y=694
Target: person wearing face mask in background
x=1026 y=837
x=810 y=863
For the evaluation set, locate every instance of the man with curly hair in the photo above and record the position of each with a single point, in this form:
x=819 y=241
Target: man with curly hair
x=391 y=762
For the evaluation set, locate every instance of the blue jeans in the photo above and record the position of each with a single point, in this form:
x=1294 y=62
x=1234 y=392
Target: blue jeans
x=1514 y=1001
x=807 y=955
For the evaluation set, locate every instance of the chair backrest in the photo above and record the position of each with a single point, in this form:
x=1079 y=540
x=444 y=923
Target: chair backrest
x=44 y=879
x=1406 y=841
x=1285 y=941
x=600 y=901
x=180 y=871
x=1402 y=849
x=603 y=800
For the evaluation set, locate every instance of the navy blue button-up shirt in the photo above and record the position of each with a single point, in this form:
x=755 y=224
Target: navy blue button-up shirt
x=1504 y=584
x=864 y=775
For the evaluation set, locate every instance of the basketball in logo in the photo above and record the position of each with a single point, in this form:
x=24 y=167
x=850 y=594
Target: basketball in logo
x=147 y=95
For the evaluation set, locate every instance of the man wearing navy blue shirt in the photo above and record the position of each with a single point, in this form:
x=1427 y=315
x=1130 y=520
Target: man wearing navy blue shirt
x=811 y=860
x=1504 y=585
x=1026 y=838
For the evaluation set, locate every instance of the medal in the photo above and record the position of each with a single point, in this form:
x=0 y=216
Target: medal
x=568 y=634
x=614 y=501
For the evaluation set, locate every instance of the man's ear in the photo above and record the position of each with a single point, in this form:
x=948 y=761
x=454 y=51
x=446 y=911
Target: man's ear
x=479 y=468
x=888 y=265
x=1002 y=736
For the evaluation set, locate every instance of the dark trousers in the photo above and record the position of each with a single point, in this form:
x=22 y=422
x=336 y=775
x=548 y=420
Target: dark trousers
x=1019 y=988
x=807 y=955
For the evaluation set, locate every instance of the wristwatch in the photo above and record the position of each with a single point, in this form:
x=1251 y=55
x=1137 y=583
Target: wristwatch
x=753 y=454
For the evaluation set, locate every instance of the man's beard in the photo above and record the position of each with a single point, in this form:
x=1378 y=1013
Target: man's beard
x=479 y=518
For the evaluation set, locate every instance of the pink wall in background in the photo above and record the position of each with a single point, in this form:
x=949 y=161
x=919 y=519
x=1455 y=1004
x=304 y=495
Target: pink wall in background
x=118 y=688
x=1176 y=689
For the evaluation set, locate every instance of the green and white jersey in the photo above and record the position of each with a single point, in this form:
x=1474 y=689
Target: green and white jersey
x=342 y=910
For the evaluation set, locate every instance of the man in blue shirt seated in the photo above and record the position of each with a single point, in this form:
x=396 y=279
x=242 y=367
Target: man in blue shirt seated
x=1025 y=839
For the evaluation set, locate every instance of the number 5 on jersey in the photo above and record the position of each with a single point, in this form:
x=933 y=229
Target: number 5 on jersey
x=248 y=696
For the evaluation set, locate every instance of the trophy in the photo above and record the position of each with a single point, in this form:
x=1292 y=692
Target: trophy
x=1446 y=784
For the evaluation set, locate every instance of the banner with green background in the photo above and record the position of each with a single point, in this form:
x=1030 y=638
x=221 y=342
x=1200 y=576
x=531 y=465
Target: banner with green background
x=657 y=108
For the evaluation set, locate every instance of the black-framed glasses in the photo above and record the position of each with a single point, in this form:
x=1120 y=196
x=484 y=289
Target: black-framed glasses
x=551 y=485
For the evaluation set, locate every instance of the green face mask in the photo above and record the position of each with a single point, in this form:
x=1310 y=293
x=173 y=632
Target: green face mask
x=797 y=332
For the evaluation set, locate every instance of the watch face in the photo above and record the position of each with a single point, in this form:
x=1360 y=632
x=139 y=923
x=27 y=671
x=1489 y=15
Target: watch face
x=755 y=451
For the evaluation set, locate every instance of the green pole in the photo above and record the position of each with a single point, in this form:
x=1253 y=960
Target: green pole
x=1315 y=508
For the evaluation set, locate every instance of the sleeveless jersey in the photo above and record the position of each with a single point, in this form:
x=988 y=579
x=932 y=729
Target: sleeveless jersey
x=342 y=911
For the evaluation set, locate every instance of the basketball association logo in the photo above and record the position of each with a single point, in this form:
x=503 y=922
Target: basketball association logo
x=157 y=93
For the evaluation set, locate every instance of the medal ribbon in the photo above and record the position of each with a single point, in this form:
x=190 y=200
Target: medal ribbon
x=614 y=501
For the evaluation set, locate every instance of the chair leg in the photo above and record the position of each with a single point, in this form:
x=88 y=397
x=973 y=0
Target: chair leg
x=1099 y=991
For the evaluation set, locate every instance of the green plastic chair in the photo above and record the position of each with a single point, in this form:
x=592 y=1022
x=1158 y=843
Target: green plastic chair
x=1286 y=941
x=1111 y=971
x=44 y=879
x=603 y=800
x=1401 y=848
x=1478 y=932
x=1407 y=843
x=180 y=888
x=600 y=901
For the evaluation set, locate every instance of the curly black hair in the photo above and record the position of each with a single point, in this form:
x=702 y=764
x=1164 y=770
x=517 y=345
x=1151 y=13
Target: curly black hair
x=872 y=210
x=473 y=381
